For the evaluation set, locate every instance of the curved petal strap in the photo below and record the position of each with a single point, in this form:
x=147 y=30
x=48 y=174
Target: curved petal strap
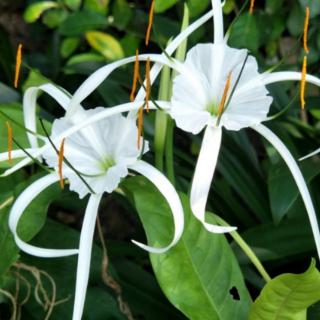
x=22 y=202
x=85 y=248
x=274 y=77
x=203 y=176
x=30 y=102
x=170 y=194
x=218 y=21
x=310 y=154
x=298 y=177
x=15 y=154
x=108 y=112
x=91 y=83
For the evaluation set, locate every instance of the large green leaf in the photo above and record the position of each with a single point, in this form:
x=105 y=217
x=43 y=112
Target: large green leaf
x=163 y=5
x=80 y=22
x=283 y=191
x=199 y=272
x=287 y=296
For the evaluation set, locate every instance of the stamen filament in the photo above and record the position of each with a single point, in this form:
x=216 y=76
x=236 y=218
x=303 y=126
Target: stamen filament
x=303 y=82
x=251 y=6
x=140 y=126
x=18 y=66
x=61 y=157
x=224 y=96
x=148 y=84
x=305 y=30
x=135 y=77
x=9 y=130
x=151 y=13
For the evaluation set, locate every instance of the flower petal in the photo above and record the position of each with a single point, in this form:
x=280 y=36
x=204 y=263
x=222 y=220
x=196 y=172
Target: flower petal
x=24 y=199
x=218 y=21
x=91 y=83
x=30 y=102
x=170 y=194
x=203 y=175
x=298 y=177
x=310 y=155
x=15 y=154
x=269 y=78
x=73 y=129
x=85 y=248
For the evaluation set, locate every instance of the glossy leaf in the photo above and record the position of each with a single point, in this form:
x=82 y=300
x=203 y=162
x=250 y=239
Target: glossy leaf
x=122 y=14
x=34 y=11
x=68 y=46
x=288 y=296
x=106 y=44
x=80 y=22
x=199 y=272
x=163 y=5
x=98 y=6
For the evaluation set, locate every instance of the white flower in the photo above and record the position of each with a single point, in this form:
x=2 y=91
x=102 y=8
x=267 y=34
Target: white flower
x=101 y=145
x=196 y=101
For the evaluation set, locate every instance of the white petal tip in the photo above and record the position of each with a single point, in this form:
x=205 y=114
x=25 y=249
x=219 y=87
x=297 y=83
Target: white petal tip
x=150 y=249
x=218 y=229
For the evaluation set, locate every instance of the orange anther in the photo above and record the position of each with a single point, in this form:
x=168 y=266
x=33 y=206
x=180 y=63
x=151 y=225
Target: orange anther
x=18 y=66
x=140 y=126
x=151 y=13
x=135 y=77
x=224 y=96
x=148 y=84
x=61 y=157
x=305 y=30
x=9 y=130
x=303 y=82
x=251 y=6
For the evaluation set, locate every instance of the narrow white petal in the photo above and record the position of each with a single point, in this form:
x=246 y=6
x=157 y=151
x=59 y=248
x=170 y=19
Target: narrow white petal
x=15 y=154
x=91 y=83
x=298 y=177
x=269 y=78
x=30 y=103
x=84 y=259
x=310 y=155
x=170 y=194
x=22 y=202
x=171 y=48
x=108 y=112
x=203 y=176
x=218 y=21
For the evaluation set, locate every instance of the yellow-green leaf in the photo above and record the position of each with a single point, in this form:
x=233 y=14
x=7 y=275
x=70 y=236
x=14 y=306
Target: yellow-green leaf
x=106 y=44
x=34 y=11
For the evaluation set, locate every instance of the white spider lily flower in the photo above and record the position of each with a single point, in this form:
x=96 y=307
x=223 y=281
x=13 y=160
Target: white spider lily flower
x=230 y=93
x=102 y=147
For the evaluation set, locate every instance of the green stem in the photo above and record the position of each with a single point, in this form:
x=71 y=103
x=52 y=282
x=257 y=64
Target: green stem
x=246 y=249
x=161 y=119
x=169 y=151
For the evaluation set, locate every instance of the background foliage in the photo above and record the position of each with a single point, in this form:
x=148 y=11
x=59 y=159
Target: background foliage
x=67 y=40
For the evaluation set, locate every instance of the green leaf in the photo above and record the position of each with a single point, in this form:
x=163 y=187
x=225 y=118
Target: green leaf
x=245 y=33
x=199 y=272
x=98 y=6
x=163 y=5
x=283 y=191
x=106 y=44
x=34 y=11
x=288 y=296
x=80 y=22
x=54 y=18
x=196 y=7
x=35 y=215
x=122 y=14
x=73 y=4
x=68 y=46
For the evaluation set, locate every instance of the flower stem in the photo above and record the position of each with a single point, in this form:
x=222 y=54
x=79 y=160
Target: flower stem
x=169 y=151
x=246 y=249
